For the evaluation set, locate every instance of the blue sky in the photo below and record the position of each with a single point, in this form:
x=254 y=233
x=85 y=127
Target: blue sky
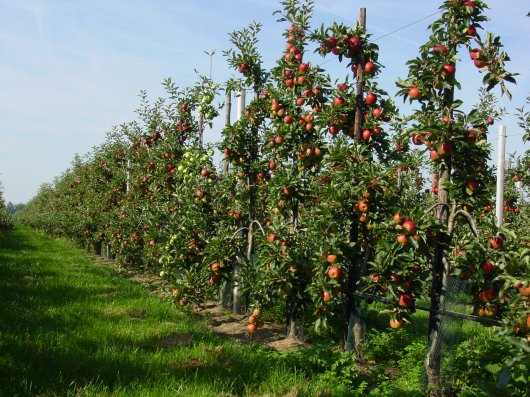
x=70 y=70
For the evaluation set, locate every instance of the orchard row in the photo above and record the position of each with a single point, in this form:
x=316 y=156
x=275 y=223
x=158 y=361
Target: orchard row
x=6 y=221
x=324 y=190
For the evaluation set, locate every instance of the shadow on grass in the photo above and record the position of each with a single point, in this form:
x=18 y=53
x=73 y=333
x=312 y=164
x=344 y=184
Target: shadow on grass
x=46 y=348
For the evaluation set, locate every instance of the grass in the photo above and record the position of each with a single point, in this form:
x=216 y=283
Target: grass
x=69 y=326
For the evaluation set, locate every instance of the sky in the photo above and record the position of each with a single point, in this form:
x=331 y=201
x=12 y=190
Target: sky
x=70 y=70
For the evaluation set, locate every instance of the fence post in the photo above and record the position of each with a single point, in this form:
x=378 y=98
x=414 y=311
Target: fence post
x=228 y=109
x=236 y=294
x=499 y=198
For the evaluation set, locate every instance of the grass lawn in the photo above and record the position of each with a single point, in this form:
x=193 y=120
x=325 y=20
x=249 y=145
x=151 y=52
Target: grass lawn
x=69 y=326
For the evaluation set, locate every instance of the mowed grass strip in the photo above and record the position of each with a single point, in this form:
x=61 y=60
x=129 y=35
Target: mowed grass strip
x=69 y=326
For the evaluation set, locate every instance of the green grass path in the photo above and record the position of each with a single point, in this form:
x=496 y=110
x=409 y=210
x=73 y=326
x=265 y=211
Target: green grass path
x=69 y=326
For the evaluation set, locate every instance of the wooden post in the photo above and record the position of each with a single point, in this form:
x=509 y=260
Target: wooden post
x=359 y=89
x=354 y=338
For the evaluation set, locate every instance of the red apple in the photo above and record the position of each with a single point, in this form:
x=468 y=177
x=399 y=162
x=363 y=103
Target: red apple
x=338 y=101
x=525 y=291
x=440 y=48
x=377 y=112
x=480 y=63
x=278 y=139
x=331 y=41
x=402 y=239
x=471 y=186
x=409 y=226
x=414 y=93
x=364 y=206
x=475 y=53
x=371 y=98
x=496 y=243
x=370 y=67
x=242 y=68
x=367 y=134
x=354 y=42
x=487 y=295
x=395 y=323
x=288 y=119
x=471 y=136
x=326 y=297
x=448 y=69
x=471 y=31
x=332 y=258
x=487 y=267
x=333 y=129
x=434 y=155
x=405 y=300
x=417 y=139
x=271 y=238
x=334 y=272
x=445 y=149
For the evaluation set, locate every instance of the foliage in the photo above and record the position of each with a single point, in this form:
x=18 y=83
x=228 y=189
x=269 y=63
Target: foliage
x=321 y=193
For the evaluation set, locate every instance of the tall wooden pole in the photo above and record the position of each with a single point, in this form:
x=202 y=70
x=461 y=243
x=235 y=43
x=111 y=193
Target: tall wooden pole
x=354 y=339
x=359 y=89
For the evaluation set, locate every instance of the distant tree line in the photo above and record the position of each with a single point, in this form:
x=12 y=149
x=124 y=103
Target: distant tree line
x=12 y=208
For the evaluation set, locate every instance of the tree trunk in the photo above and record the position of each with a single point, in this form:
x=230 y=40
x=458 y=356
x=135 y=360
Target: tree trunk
x=354 y=339
x=439 y=271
